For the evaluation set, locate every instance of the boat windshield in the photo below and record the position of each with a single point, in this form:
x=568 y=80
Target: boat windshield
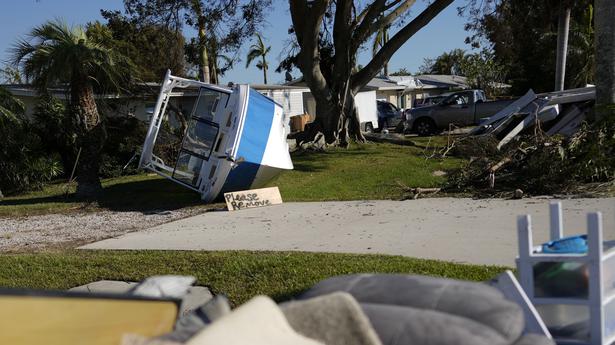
x=199 y=137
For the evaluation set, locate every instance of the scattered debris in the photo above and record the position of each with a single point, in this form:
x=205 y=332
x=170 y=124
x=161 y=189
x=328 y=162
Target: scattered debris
x=415 y=193
x=556 y=112
x=539 y=144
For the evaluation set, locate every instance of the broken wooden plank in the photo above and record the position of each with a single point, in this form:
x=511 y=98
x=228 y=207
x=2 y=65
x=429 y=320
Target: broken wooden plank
x=573 y=98
x=570 y=96
x=573 y=126
x=508 y=111
x=252 y=198
x=548 y=113
x=568 y=116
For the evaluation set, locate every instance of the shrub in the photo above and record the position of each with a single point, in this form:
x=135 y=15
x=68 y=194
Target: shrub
x=23 y=165
x=125 y=136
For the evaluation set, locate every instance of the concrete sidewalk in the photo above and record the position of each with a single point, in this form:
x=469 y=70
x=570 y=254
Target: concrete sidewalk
x=453 y=229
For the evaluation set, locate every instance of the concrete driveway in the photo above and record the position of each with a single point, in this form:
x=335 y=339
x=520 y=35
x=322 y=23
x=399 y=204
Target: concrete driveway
x=453 y=229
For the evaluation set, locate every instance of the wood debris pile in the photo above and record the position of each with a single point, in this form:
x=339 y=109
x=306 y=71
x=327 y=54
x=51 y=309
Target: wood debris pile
x=539 y=144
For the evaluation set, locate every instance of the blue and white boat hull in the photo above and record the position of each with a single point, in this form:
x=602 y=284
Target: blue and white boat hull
x=236 y=140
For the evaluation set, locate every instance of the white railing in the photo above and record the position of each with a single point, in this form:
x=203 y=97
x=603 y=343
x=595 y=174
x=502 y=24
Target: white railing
x=599 y=296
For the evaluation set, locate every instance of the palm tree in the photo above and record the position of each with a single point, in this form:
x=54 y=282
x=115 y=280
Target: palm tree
x=54 y=54
x=258 y=49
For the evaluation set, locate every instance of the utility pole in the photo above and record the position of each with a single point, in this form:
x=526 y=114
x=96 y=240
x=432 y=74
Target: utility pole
x=563 y=27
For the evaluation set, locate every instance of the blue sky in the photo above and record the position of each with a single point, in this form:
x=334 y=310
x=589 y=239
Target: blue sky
x=443 y=34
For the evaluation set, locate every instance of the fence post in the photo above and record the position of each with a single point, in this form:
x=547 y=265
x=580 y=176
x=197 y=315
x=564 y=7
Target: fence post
x=557 y=220
x=596 y=313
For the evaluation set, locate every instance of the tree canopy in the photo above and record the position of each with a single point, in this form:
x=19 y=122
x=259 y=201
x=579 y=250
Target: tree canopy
x=329 y=35
x=447 y=63
x=481 y=68
x=152 y=48
x=524 y=42
x=222 y=27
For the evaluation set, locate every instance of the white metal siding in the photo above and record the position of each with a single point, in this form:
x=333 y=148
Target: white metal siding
x=366 y=104
x=291 y=101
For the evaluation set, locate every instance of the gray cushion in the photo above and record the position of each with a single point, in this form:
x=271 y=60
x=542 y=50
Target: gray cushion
x=333 y=319
x=398 y=325
x=534 y=339
x=477 y=302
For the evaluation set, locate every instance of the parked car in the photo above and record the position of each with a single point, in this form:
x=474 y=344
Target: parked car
x=463 y=108
x=388 y=115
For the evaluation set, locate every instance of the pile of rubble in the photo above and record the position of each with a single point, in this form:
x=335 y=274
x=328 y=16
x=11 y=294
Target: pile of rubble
x=538 y=144
x=552 y=113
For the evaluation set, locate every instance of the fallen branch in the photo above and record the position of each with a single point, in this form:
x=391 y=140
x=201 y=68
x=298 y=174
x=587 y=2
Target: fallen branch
x=416 y=192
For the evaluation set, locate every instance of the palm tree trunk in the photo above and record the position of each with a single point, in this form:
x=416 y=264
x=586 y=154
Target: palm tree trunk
x=205 y=75
x=91 y=138
x=563 y=27
x=605 y=57
x=264 y=70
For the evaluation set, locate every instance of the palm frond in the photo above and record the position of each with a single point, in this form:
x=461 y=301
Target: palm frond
x=11 y=108
x=55 y=53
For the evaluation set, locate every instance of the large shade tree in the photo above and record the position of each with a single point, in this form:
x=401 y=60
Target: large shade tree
x=329 y=35
x=55 y=54
x=526 y=42
x=222 y=26
x=152 y=48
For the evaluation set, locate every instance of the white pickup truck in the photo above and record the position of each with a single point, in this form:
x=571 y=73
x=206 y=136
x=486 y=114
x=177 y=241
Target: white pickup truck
x=463 y=108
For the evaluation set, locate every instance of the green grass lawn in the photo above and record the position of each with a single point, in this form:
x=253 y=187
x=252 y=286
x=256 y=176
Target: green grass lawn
x=238 y=274
x=368 y=171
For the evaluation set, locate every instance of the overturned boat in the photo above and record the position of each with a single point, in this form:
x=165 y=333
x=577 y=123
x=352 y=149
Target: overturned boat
x=232 y=139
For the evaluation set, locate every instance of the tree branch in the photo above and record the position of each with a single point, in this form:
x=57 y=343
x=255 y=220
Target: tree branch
x=341 y=40
x=361 y=78
x=369 y=14
x=307 y=19
x=390 y=18
x=370 y=27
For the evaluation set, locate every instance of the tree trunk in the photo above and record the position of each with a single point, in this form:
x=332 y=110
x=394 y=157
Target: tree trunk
x=338 y=124
x=91 y=138
x=203 y=56
x=605 y=57
x=204 y=71
x=213 y=67
x=265 y=74
x=563 y=28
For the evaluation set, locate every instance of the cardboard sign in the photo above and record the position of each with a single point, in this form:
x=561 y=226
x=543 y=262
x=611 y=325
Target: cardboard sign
x=252 y=198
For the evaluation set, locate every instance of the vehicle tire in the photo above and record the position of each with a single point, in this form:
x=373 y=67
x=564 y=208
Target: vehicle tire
x=369 y=128
x=425 y=127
